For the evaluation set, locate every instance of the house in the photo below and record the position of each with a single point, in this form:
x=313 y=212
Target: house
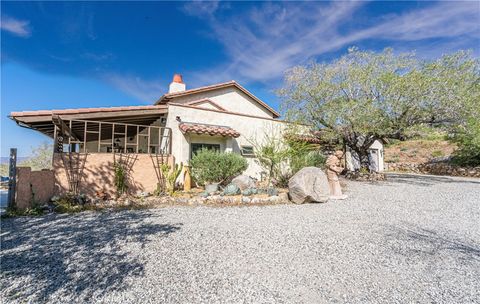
x=88 y=142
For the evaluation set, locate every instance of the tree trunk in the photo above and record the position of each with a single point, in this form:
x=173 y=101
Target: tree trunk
x=362 y=152
x=364 y=159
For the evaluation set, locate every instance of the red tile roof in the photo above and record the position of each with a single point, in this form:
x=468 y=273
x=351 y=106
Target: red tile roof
x=187 y=127
x=84 y=110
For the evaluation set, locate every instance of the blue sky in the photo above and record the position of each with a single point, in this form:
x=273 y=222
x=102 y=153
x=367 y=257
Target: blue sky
x=58 y=55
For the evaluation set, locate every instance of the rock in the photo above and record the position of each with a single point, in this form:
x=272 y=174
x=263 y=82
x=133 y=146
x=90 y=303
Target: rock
x=231 y=189
x=309 y=185
x=143 y=194
x=284 y=197
x=204 y=194
x=211 y=188
x=249 y=191
x=245 y=200
x=275 y=199
x=272 y=191
x=244 y=182
x=255 y=200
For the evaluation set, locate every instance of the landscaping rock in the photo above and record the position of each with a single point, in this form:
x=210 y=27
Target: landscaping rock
x=244 y=182
x=309 y=185
x=143 y=194
x=272 y=192
x=250 y=191
x=246 y=200
x=284 y=197
x=231 y=189
x=211 y=188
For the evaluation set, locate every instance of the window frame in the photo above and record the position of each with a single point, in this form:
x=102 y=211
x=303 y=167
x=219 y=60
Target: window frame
x=247 y=154
x=203 y=146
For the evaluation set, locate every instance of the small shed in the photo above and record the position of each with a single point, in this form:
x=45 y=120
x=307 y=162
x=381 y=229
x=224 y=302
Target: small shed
x=375 y=156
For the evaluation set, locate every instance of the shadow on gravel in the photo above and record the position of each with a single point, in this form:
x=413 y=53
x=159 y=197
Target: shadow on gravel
x=418 y=241
x=79 y=256
x=426 y=180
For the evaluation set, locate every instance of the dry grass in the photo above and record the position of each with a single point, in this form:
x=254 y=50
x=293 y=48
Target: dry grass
x=418 y=151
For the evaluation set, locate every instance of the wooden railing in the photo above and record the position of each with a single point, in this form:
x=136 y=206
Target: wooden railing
x=107 y=137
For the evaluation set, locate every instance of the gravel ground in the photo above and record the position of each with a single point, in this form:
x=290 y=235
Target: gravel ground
x=411 y=239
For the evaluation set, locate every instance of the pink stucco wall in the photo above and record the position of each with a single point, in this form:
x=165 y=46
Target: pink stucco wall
x=33 y=187
x=96 y=171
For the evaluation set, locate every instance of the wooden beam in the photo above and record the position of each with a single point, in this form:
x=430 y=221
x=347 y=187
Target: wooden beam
x=64 y=129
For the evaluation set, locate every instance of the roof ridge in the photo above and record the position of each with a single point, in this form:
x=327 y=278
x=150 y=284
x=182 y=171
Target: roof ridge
x=165 y=97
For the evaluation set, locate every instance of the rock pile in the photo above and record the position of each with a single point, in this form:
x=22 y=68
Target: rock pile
x=435 y=169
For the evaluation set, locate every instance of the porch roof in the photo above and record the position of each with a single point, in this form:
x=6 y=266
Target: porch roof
x=212 y=130
x=42 y=120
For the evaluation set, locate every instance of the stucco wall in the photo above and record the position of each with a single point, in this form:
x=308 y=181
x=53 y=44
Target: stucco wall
x=33 y=187
x=231 y=99
x=250 y=128
x=96 y=171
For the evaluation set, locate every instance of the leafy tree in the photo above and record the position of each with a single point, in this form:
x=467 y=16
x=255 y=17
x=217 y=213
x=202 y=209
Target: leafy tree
x=4 y=170
x=41 y=157
x=365 y=96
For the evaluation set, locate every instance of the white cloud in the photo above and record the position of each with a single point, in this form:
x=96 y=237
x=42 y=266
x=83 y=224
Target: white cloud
x=14 y=26
x=201 y=8
x=267 y=40
x=147 y=91
x=262 y=43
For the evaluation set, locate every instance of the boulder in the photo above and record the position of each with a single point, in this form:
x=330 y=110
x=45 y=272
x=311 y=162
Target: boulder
x=310 y=184
x=244 y=182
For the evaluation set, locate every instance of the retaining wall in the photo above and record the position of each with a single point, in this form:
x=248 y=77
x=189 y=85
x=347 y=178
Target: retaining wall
x=435 y=169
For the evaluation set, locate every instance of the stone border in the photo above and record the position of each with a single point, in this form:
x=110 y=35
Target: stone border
x=434 y=169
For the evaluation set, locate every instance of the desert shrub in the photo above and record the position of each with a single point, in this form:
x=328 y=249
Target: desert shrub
x=13 y=212
x=437 y=153
x=216 y=167
x=69 y=203
x=120 y=178
x=468 y=140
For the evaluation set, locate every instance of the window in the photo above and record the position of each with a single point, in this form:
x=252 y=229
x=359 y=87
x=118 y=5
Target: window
x=197 y=147
x=247 y=150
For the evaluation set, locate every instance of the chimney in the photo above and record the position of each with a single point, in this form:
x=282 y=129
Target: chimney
x=177 y=84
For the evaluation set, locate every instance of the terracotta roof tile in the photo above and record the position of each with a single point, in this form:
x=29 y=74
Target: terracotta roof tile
x=187 y=127
x=84 y=110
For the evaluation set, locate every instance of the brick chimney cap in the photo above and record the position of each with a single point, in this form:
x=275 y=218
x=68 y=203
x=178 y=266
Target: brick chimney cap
x=177 y=78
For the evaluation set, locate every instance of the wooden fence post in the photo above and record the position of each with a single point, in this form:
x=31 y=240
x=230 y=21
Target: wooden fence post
x=12 y=178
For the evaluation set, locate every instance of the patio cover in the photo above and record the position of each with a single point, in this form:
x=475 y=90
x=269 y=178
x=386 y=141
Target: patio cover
x=42 y=120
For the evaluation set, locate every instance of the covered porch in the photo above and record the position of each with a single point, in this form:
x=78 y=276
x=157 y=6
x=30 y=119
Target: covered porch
x=91 y=144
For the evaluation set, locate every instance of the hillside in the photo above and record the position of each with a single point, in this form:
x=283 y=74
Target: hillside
x=418 y=150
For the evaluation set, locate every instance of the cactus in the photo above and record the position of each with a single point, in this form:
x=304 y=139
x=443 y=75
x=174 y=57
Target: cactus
x=170 y=175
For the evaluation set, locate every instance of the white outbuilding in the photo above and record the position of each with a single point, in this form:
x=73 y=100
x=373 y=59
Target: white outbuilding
x=375 y=156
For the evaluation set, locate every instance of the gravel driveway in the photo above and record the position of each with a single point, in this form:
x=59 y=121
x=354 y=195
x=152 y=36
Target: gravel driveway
x=411 y=239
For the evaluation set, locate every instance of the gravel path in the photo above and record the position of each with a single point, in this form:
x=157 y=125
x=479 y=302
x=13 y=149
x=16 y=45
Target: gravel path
x=411 y=239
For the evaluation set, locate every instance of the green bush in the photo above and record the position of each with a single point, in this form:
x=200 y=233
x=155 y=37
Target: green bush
x=216 y=167
x=468 y=140
x=437 y=153
x=308 y=159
